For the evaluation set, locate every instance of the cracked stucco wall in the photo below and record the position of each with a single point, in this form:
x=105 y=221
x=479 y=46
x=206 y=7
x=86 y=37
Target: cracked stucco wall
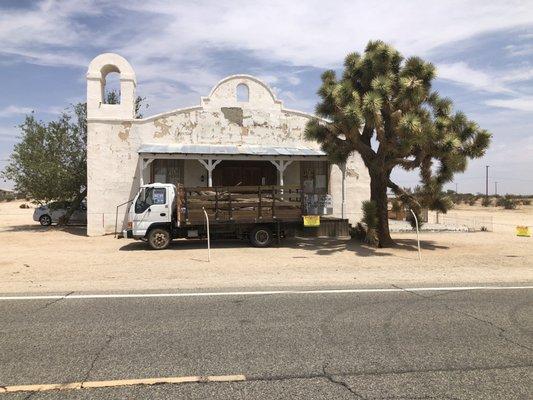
x=113 y=173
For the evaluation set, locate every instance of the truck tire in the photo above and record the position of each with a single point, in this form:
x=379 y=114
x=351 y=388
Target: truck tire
x=159 y=239
x=261 y=236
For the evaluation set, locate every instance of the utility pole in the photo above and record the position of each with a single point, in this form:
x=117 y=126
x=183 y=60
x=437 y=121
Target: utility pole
x=487 y=181
x=456 y=188
x=496 y=188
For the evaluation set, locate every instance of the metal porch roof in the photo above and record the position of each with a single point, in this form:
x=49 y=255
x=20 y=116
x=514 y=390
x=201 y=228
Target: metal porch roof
x=245 y=150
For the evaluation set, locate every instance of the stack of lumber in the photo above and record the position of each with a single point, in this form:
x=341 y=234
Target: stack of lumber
x=239 y=203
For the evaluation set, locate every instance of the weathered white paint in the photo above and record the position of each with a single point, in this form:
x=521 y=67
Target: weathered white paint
x=114 y=137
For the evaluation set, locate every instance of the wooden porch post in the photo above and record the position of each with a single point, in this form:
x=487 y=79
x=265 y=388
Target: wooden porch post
x=281 y=166
x=209 y=165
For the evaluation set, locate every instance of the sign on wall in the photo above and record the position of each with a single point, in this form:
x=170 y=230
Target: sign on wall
x=311 y=220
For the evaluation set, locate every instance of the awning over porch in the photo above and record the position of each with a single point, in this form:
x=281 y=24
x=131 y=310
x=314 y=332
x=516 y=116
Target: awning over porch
x=210 y=155
x=201 y=151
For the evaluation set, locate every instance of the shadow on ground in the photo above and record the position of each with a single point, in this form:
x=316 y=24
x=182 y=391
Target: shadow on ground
x=78 y=230
x=184 y=244
x=325 y=246
x=320 y=246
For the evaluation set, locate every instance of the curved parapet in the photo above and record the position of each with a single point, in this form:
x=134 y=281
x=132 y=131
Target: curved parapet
x=243 y=91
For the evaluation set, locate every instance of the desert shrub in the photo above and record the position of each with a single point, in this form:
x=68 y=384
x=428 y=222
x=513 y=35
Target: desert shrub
x=24 y=205
x=506 y=202
x=486 y=202
x=358 y=232
x=370 y=219
x=412 y=221
x=509 y=203
x=526 y=202
x=472 y=201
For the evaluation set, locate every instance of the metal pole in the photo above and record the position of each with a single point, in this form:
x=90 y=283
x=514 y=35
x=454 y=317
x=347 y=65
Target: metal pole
x=343 y=189
x=208 y=237
x=496 y=188
x=487 y=181
x=456 y=188
x=417 y=235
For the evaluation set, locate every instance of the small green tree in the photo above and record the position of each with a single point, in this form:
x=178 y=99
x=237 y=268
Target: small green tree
x=50 y=161
x=384 y=108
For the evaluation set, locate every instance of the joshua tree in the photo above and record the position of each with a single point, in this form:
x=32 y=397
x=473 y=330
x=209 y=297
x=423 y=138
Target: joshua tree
x=384 y=108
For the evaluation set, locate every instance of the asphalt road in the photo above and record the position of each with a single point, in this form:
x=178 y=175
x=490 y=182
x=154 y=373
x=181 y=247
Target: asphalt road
x=400 y=345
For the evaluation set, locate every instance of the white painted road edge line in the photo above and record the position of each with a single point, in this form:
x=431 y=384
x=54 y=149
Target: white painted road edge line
x=261 y=293
x=121 y=382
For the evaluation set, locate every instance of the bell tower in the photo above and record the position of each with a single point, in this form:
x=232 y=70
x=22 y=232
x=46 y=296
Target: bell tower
x=99 y=68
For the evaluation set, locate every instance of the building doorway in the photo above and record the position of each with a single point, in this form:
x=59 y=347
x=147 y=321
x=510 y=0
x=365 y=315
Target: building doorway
x=245 y=173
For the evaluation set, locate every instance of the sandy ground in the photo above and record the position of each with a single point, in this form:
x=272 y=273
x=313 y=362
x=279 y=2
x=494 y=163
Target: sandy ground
x=37 y=259
x=502 y=220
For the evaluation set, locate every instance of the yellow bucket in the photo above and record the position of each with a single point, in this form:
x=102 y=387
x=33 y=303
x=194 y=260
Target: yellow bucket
x=523 y=231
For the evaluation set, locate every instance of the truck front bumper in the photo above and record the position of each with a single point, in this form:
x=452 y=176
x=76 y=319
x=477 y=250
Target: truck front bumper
x=127 y=233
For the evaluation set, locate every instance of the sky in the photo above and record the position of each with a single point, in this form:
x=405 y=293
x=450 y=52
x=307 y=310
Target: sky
x=483 y=52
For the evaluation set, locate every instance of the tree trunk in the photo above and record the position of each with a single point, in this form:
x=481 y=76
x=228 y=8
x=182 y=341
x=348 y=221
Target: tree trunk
x=378 y=194
x=73 y=207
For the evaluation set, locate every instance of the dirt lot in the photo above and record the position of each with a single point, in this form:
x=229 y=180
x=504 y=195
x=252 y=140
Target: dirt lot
x=37 y=259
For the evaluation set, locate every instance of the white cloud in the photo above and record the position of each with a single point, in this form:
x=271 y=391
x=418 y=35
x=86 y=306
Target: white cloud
x=517 y=75
x=524 y=103
x=8 y=133
x=12 y=110
x=294 y=80
x=44 y=33
x=307 y=33
x=519 y=49
x=296 y=33
x=462 y=74
x=181 y=42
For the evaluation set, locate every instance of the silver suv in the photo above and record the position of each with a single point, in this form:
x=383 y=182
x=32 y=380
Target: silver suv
x=51 y=213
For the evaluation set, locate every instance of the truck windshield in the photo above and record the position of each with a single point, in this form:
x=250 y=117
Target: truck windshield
x=150 y=196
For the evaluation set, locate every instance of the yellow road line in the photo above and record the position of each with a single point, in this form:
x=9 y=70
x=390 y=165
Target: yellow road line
x=121 y=382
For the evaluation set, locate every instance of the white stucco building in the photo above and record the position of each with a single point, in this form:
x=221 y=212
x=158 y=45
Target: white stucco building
x=239 y=134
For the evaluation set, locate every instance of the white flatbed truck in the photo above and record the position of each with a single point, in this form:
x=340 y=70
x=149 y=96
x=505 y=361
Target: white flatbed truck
x=161 y=212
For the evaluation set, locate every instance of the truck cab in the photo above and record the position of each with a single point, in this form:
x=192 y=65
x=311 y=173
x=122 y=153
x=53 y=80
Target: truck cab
x=151 y=210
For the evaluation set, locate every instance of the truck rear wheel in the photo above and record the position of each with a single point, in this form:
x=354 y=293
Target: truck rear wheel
x=261 y=236
x=159 y=239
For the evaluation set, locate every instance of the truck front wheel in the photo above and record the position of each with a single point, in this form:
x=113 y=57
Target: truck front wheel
x=159 y=239
x=261 y=236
